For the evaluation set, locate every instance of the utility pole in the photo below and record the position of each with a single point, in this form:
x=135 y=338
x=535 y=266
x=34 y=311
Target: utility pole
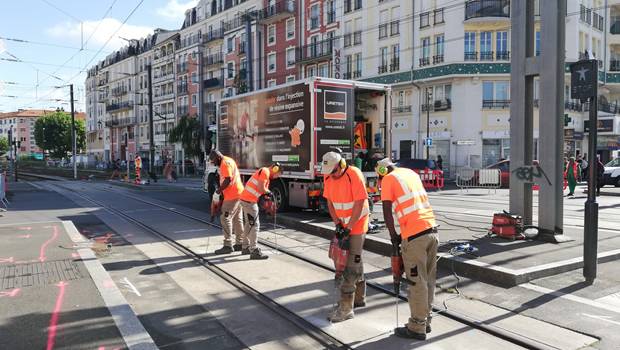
x=248 y=37
x=429 y=95
x=73 y=138
x=151 y=134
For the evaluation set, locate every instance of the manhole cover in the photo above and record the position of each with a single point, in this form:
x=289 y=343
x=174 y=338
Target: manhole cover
x=38 y=274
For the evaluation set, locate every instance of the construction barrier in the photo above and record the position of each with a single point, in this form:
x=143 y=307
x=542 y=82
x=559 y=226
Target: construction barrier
x=478 y=178
x=431 y=179
x=3 y=189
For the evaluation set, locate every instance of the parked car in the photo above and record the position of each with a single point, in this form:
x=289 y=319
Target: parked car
x=611 y=176
x=504 y=167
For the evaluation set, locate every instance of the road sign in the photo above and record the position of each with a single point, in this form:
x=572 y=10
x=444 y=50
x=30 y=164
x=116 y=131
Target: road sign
x=583 y=78
x=465 y=142
x=428 y=141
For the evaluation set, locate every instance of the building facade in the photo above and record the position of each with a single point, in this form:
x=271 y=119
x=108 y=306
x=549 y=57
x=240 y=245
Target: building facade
x=448 y=63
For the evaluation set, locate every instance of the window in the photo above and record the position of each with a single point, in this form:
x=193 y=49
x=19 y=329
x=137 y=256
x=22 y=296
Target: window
x=442 y=93
x=331 y=11
x=537 y=47
x=290 y=78
x=358 y=4
x=348 y=29
x=271 y=62
x=347 y=6
x=426 y=47
x=439 y=45
x=383 y=25
x=271 y=34
x=271 y=83
x=310 y=71
x=194 y=78
x=324 y=70
x=438 y=16
x=384 y=57
x=194 y=100
x=395 y=27
x=358 y=65
x=470 y=46
x=230 y=44
x=348 y=66
x=424 y=20
x=485 y=43
x=314 y=16
x=290 y=57
x=395 y=65
x=290 y=29
x=231 y=70
x=501 y=45
x=495 y=94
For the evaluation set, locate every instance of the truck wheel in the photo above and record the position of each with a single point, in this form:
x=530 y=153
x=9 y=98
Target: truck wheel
x=277 y=188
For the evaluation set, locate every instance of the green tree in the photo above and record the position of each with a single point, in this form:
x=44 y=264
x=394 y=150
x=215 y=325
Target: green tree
x=189 y=133
x=4 y=145
x=53 y=133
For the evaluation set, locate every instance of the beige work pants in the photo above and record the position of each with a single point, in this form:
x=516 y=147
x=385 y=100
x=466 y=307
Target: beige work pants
x=420 y=260
x=252 y=224
x=354 y=271
x=232 y=218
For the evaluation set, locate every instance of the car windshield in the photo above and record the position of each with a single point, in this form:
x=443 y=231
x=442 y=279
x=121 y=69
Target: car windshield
x=613 y=163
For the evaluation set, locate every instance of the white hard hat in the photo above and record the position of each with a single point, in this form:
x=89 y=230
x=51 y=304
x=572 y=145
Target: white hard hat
x=385 y=162
x=330 y=160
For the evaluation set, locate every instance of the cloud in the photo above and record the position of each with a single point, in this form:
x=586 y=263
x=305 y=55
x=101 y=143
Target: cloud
x=174 y=10
x=101 y=31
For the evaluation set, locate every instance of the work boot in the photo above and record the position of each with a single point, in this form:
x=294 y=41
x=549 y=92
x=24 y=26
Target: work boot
x=428 y=324
x=360 y=294
x=224 y=250
x=258 y=255
x=404 y=332
x=237 y=247
x=245 y=251
x=344 y=310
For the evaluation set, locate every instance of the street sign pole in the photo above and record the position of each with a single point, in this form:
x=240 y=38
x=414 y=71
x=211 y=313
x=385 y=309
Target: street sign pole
x=584 y=85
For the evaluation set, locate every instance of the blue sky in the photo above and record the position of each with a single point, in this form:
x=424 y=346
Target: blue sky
x=54 y=31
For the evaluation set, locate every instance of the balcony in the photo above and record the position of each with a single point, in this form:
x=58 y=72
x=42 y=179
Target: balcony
x=237 y=22
x=424 y=61
x=471 y=56
x=573 y=106
x=487 y=8
x=352 y=75
x=214 y=83
x=495 y=104
x=395 y=65
x=118 y=106
x=182 y=89
x=401 y=109
x=214 y=35
x=614 y=65
x=502 y=55
x=242 y=48
x=437 y=59
x=442 y=105
x=598 y=21
x=585 y=14
x=486 y=56
x=277 y=11
x=119 y=91
x=314 y=52
x=162 y=77
x=164 y=96
x=216 y=58
x=182 y=67
x=383 y=68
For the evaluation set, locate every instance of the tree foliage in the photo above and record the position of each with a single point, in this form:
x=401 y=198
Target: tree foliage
x=53 y=133
x=4 y=145
x=188 y=132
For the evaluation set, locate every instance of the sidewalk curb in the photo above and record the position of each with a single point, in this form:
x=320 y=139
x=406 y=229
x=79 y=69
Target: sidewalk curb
x=480 y=271
x=131 y=329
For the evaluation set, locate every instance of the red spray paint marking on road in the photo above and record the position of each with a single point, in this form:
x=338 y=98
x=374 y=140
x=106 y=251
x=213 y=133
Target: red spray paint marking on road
x=75 y=255
x=51 y=334
x=42 y=257
x=11 y=294
x=24 y=236
x=7 y=260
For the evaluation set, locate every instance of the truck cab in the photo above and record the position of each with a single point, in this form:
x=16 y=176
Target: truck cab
x=611 y=176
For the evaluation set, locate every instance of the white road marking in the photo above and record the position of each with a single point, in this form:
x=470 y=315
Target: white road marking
x=602 y=318
x=132 y=287
x=193 y=230
x=612 y=299
x=571 y=297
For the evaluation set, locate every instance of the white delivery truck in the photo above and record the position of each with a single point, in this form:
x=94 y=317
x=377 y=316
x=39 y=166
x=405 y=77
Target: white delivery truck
x=295 y=124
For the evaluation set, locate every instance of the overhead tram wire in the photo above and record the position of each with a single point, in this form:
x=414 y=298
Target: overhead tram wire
x=31 y=42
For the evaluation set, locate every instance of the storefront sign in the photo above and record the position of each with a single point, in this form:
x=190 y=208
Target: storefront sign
x=583 y=79
x=604 y=125
x=577 y=135
x=465 y=142
x=569 y=134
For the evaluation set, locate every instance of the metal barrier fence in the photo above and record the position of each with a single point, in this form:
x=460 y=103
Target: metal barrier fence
x=478 y=178
x=431 y=179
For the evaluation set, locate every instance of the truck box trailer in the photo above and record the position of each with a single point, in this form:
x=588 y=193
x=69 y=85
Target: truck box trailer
x=295 y=124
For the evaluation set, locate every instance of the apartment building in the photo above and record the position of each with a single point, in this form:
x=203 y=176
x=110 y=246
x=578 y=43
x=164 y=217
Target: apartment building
x=21 y=123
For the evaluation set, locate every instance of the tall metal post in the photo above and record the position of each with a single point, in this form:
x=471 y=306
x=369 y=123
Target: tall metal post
x=248 y=36
x=73 y=134
x=590 y=233
x=149 y=69
x=429 y=95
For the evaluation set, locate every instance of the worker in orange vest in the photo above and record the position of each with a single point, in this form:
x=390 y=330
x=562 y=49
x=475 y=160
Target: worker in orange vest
x=402 y=191
x=257 y=186
x=138 y=165
x=230 y=188
x=347 y=200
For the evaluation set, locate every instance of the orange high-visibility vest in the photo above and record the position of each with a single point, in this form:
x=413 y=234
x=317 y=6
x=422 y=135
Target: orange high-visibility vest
x=343 y=193
x=228 y=168
x=253 y=190
x=404 y=189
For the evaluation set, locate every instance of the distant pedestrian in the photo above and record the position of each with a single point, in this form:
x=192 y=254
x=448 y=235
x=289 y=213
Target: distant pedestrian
x=570 y=174
x=439 y=162
x=600 y=170
x=584 y=168
x=116 y=169
x=358 y=162
x=168 y=170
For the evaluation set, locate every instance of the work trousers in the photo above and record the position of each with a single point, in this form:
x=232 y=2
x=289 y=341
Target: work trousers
x=251 y=225
x=353 y=274
x=420 y=260
x=232 y=218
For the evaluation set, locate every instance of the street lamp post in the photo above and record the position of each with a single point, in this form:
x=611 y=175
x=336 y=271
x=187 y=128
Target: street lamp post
x=429 y=95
